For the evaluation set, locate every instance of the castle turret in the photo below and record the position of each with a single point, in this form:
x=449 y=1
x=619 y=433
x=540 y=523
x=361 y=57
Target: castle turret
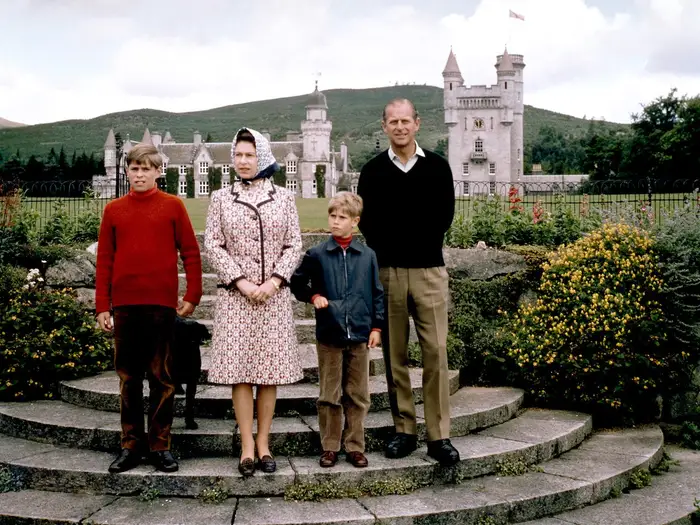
x=316 y=140
x=509 y=70
x=147 y=137
x=452 y=78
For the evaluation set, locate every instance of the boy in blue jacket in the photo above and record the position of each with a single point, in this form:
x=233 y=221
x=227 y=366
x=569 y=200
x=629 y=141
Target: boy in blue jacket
x=340 y=277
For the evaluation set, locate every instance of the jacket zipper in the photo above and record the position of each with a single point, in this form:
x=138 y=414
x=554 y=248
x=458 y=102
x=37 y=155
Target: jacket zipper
x=347 y=324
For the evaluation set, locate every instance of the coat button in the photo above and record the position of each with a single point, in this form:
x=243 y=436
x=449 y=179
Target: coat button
x=256 y=261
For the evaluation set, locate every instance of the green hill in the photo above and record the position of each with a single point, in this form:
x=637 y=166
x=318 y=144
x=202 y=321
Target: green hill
x=356 y=115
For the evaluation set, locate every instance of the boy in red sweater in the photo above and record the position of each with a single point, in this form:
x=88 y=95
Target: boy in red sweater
x=137 y=278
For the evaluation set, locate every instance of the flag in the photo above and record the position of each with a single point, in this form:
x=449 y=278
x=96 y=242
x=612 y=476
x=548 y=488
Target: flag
x=513 y=14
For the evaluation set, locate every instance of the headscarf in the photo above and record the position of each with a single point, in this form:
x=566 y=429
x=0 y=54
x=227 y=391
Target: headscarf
x=267 y=165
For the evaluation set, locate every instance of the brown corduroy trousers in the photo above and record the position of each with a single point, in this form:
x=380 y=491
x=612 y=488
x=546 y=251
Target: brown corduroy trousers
x=344 y=381
x=143 y=337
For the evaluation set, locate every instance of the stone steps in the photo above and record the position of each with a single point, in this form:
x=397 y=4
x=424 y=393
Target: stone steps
x=309 y=361
x=101 y=392
x=580 y=477
x=532 y=437
x=61 y=423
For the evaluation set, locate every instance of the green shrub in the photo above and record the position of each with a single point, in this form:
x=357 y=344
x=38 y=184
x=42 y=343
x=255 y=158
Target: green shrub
x=47 y=336
x=11 y=279
x=460 y=233
x=172 y=181
x=59 y=226
x=85 y=227
x=488 y=222
x=594 y=339
x=189 y=179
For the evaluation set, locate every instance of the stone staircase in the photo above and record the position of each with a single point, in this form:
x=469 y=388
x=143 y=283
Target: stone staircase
x=57 y=453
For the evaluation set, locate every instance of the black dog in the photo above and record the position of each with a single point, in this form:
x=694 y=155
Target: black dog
x=187 y=362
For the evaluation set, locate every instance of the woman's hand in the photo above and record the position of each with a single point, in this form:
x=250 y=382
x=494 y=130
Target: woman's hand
x=246 y=288
x=265 y=291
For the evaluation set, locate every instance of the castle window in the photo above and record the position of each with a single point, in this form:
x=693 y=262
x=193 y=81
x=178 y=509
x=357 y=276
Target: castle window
x=183 y=170
x=466 y=122
x=225 y=184
x=478 y=146
x=314 y=186
x=450 y=86
x=518 y=96
x=518 y=153
x=225 y=169
x=292 y=185
x=506 y=84
x=492 y=168
x=182 y=188
x=491 y=122
x=204 y=187
x=353 y=188
x=164 y=167
x=465 y=168
x=291 y=167
x=203 y=168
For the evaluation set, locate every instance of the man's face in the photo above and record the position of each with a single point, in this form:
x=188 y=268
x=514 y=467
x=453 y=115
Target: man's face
x=399 y=125
x=142 y=177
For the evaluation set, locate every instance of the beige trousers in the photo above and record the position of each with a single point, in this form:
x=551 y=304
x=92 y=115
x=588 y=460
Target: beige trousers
x=421 y=293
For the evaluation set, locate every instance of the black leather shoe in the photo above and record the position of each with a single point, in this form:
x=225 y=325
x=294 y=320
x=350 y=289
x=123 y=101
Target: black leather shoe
x=267 y=464
x=443 y=451
x=164 y=461
x=127 y=460
x=401 y=445
x=246 y=466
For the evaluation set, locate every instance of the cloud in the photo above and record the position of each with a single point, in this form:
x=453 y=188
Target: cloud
x=598 y=60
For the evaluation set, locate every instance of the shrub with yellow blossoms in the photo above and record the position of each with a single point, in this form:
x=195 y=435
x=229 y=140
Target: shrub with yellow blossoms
x=594 y=338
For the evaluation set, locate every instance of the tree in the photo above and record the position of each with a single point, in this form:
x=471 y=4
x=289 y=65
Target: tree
x=172 y=180
x=214 y=179
x=320 y=176
x=442 y=148
x=189 y=178
x=209 y=138
x=280 y=177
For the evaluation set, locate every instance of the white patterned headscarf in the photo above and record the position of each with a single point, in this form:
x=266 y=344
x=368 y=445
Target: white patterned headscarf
x=267 y=165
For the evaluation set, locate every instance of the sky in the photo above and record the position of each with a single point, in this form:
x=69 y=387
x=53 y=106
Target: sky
x=78 y=59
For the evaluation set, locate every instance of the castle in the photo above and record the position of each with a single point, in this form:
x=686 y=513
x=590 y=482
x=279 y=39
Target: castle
x=485 y=125
x=300 y=155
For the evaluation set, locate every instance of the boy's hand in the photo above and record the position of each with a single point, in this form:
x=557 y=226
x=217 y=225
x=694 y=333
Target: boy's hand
x=105 y=321
x=375 y=339
x=246 y=287
x=320 y=302
x=185 y=310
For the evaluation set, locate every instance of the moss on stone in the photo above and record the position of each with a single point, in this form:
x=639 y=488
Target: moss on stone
x=640 y=479
x=334 y=490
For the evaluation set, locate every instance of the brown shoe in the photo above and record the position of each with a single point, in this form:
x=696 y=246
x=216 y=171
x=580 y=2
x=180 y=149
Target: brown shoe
x=328 y=459
x=357 y=459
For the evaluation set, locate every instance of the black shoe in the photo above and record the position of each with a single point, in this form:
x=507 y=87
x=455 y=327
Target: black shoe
x=164 y=461
x=401 y=445
x=127 y=460
x=267 y=464
x=443 y=451
x=246 y=466
x=191 y=424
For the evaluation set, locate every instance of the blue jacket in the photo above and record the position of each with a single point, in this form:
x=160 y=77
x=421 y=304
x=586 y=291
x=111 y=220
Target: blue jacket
x=350 y=281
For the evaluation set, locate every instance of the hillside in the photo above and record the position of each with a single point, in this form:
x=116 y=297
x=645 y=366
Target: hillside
x=4 y=123
x=356 y=115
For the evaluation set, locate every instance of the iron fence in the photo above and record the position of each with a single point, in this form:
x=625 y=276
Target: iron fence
x=655 y=198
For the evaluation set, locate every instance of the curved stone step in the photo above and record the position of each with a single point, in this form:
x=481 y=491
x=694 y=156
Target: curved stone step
x=309 y=360
x=581 y=477
x=60 y=423
x=101 y=392
x=207 y=304
x=529 y=439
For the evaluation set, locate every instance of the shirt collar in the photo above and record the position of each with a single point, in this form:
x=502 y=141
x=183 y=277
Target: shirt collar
x=393 y=156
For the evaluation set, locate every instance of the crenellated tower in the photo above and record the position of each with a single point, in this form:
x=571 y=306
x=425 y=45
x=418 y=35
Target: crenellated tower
x=316 y=136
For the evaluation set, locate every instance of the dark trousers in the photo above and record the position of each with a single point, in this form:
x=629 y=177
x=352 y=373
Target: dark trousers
x=143 y=336
x=344 y=391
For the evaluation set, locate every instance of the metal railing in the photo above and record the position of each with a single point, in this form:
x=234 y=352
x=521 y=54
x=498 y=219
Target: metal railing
x=655 y=198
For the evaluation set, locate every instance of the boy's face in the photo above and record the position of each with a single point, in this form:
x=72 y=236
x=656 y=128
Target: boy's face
x=142 y=177
x=341 y=223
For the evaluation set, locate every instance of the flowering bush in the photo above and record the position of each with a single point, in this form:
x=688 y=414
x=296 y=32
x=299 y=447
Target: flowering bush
x=594 y=338
x=46 y=336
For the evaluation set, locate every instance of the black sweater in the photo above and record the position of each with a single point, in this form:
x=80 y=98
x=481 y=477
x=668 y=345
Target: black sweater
x=406 y=215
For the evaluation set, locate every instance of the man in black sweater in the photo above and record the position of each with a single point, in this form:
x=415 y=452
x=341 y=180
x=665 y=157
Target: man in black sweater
x=409 y=204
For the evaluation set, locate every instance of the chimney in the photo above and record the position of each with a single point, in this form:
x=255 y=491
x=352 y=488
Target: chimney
x=344 y=156
x=197 y=138
x=265 y=133
x=156 y=138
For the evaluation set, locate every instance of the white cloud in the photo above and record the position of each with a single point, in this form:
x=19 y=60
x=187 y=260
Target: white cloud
x=187 y=57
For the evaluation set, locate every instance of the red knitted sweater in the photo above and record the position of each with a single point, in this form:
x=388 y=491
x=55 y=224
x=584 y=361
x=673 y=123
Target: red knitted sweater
x=140 y=236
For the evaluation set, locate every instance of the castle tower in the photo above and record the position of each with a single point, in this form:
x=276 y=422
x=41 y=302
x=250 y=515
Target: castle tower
x=485 y=125
x=110 y=156
x=316 y=138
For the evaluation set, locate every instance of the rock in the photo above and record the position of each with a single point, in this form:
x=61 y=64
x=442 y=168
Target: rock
x=86 y=296
x=76 y=272
x=92 y=248
x=481 y=245
x=482 y=264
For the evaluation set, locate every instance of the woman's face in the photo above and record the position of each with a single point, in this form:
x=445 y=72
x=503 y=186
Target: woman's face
x=245 y=160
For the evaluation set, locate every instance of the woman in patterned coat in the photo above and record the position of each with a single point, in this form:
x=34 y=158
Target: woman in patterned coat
x=253 y=241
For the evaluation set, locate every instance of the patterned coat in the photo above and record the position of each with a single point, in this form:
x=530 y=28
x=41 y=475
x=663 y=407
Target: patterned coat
x=253 y=232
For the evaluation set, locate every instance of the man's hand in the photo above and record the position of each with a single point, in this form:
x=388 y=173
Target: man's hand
x=246 y=287
x=375 y=339
x=320 y=302
x=105 y=321
x=264 y=291
x=186 y=308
